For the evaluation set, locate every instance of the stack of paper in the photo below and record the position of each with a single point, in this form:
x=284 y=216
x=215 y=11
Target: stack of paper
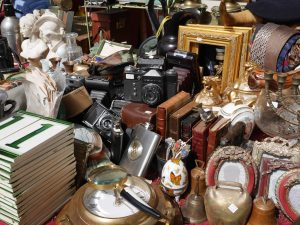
x=37 y=168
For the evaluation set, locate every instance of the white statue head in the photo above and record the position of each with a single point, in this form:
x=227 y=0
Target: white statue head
x=27 y=24
x=50 y=27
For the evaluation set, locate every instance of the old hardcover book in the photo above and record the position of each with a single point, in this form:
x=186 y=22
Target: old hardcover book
x=187 y=126
x=37 y=167
x=216 y=131
x=199 y=139
x=165 y=109
x=176 y=117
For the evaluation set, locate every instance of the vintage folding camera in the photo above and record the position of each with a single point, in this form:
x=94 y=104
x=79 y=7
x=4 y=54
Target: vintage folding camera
x=117 y=105
x=73 y=82
x=101 y=119
x=101 y=97
x=187 y=60
x=148 y=63
x=142 y=86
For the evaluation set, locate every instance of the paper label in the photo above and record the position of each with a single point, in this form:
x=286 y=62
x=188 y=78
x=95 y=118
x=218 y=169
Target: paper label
x=129 y=76
x=181 y=54
x=233 y=208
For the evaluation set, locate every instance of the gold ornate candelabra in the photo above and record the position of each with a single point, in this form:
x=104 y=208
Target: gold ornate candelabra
x=285 y=103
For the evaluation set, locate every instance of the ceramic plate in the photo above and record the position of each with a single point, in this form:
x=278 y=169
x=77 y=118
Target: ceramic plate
x=246 y=116
x=232 y=163
x=288 y=193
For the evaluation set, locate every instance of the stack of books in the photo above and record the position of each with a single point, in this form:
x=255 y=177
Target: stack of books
x=37 y=168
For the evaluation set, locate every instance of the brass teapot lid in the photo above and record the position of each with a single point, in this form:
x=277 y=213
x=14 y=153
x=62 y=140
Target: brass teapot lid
x=187 y=4
x=232 y=6
x=264 y=205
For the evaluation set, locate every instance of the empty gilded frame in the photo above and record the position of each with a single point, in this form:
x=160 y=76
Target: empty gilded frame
x=190 y=37
x=247 y=34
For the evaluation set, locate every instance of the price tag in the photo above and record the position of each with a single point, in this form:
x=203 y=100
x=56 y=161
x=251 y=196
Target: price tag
x=233 y=208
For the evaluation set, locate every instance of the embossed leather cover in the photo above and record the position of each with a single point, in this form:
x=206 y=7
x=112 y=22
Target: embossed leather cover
x=176 y=117
x=199 y=140
x=187 y=126
x=165 y=109
x=136 y=113
x=216 y=131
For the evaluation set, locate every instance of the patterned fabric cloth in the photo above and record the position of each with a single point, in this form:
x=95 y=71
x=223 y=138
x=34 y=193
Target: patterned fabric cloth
x=259 y=46
x=283 y=63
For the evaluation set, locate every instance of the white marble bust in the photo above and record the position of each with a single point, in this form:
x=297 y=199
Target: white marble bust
x=51 y=32
x=33 y=48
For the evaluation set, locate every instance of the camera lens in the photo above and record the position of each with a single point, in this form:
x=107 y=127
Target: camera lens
x=151 y=94
x=105 y=123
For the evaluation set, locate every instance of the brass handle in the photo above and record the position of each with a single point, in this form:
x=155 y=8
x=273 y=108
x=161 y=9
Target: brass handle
x=65 y=220
x=229 y=184
x=200 y=163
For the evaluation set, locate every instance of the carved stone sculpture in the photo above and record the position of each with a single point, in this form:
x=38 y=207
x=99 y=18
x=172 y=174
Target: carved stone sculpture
x=33 y=48
x=51 y=32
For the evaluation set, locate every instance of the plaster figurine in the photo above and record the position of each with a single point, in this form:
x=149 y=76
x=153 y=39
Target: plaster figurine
x=33 y=48
x=51 y=32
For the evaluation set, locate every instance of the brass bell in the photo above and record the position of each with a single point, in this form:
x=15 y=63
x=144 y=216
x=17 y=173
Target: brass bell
x=263 y=212
x=198 y=176
x=194 y=211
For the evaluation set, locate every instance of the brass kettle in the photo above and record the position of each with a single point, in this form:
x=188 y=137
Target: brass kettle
x=194 y=211
x=227 y=203
x=263 y=212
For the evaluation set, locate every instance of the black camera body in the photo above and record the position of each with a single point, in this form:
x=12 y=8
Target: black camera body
x=148 y=63
x=147 y=86
x=101 y=119
x=73 y=82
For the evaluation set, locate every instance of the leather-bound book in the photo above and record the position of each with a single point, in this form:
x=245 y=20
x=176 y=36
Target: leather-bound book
x=165 y=109
x=136 y=113
x=176 y=117
x=187 y=125
x=216 y=131
x=200 y=136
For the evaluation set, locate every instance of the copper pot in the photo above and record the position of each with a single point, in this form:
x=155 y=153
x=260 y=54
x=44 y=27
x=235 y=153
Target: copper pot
x=263 y=212
x=69 y=66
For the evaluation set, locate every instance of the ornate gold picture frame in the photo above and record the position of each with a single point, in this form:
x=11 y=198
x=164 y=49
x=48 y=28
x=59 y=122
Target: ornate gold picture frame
x=234 y=39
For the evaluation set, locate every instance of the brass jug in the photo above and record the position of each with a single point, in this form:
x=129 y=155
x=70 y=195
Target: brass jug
x=227 y=203
x=198 y=171
x=194 y=211
x=263 y=212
